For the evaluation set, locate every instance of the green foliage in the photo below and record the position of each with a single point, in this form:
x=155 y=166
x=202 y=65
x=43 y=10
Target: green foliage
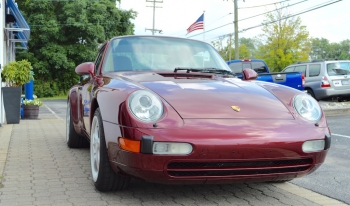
x=284 y=41
x=67 y=33
x=223 y=49
x=17 y=73
x=251 y=45
x=323 y=49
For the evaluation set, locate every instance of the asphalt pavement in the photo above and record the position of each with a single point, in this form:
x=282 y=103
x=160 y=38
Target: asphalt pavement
x=37 y=168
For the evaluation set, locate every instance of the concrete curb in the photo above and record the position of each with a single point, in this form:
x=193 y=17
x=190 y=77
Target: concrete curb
x=5 y=137
x=336 y=112
x=333 y=108
x=309 y=195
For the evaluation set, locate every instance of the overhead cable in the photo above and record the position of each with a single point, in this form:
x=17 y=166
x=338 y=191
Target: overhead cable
x=262 y=5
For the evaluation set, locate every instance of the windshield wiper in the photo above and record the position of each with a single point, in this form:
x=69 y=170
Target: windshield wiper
x=205 y=70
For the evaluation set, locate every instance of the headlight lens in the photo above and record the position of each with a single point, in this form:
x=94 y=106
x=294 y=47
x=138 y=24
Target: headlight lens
x=145 y=106
x=313 y=146
x=307 y=107
x=172 y=148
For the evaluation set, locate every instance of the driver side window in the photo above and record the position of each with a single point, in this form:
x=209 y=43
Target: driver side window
x=99 y=59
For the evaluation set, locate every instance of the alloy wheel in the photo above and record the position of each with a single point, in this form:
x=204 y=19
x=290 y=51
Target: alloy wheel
x=95 y=148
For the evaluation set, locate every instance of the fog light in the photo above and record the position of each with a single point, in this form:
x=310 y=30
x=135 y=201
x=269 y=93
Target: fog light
x=313 y=145
x=171 y=148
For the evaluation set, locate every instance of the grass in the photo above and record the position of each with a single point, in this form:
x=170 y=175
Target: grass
x=59 y=97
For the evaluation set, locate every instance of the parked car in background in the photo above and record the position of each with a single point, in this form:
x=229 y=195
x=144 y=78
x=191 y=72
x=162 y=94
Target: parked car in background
x=325 y=79
x=169 y=110
x=290 y=79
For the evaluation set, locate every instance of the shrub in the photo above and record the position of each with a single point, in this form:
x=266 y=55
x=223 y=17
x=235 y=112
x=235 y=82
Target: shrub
x=35 y=101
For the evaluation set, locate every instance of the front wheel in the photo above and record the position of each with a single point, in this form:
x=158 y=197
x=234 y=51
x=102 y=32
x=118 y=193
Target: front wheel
x=104 y=178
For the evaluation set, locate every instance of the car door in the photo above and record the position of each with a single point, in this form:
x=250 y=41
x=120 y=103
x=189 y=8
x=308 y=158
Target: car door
x=313 y=78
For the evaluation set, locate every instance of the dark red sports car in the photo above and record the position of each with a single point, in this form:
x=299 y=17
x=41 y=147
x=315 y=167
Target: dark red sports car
x=169 y=110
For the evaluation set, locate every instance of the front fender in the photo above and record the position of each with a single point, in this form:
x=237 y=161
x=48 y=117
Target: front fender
x=285 y=95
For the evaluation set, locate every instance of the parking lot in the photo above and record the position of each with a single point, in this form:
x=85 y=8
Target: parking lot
x=39 y=169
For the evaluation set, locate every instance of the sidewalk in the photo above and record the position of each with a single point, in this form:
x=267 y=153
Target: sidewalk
x=37 y=168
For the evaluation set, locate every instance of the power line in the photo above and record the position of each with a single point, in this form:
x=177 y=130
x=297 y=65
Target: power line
x=206 y=24
x=250 y=17
x=310 y=9
x=273 y=10
x=262 y=5
x=292 y=15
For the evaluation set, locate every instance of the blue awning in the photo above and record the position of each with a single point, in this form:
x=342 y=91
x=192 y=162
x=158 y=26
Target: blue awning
x=20 y=27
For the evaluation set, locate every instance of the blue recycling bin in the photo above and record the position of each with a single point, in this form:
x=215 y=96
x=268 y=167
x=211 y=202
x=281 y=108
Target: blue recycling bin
x=29 y=90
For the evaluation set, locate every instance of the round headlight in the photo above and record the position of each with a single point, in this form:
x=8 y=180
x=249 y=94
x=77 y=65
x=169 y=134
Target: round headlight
x=307 y=107
x=145 y=106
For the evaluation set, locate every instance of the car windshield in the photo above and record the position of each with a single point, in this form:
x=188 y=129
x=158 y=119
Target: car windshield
x=161 y=54
x=338 y=68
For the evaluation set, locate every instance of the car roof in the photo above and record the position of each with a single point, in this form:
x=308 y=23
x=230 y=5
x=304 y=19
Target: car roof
x=318 y=61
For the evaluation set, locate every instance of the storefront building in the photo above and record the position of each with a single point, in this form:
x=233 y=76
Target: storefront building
x=14 y=35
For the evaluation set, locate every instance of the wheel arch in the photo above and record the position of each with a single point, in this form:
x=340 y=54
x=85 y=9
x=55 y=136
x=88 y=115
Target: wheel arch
x=72 y=100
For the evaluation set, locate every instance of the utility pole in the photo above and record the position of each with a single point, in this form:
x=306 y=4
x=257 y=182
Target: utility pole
x=230 y=48
x=154 y=11
x=236 y=30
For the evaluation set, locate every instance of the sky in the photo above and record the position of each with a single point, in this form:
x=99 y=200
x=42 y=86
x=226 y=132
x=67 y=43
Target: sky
x=175 y=16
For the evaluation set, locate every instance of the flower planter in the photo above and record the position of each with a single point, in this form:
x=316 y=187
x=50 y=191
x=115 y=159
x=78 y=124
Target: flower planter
x=31 y=112
x=12 y=103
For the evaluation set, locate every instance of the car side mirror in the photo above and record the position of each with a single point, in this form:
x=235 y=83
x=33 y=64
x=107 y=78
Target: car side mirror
x=249 y=74
x=86 y=68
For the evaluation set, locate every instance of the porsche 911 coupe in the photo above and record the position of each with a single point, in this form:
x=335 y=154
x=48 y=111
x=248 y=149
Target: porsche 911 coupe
x=169 y=110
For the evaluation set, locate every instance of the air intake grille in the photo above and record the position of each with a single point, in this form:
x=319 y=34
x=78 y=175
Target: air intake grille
x=200 y=169
x=173 y=165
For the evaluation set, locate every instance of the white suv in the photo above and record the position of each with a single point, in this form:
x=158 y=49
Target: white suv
x=325 y=79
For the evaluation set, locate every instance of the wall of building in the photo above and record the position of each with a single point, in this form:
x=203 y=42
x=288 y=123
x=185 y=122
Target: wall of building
x=2 y=53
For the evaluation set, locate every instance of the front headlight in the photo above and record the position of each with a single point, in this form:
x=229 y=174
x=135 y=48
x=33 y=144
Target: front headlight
x=145 y=106
x=307 y=107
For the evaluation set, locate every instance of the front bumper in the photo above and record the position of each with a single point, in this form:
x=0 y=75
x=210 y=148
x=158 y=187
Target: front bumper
x=224 y=151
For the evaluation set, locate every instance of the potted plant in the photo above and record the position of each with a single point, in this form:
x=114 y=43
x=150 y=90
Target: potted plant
x=14 y=74
x=31 y=108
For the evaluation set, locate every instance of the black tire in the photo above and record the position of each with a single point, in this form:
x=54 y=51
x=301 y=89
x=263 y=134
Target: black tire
x=104 y=178
x=310 y=92
x=74 y=140
x=280 y=181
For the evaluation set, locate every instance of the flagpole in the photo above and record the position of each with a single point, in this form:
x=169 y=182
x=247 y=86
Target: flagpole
x=203 y=26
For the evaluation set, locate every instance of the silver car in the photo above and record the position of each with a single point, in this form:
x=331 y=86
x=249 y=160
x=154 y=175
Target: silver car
x=325 y=79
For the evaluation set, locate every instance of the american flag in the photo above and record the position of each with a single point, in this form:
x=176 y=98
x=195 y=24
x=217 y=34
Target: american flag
x=199 y=24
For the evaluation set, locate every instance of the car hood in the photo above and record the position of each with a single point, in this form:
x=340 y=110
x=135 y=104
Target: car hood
x=214 y=98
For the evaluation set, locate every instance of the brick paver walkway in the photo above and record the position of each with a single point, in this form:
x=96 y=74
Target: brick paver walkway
x=41 y=170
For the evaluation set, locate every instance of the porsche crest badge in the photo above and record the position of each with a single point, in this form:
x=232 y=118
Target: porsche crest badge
x=236 y=108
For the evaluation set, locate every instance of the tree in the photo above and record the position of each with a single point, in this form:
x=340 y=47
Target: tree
x=322 y=49
x=345 y=50
x=319 y=48
x=67 y=33
x=284 y=41
x=223 y=49
x=251 y=45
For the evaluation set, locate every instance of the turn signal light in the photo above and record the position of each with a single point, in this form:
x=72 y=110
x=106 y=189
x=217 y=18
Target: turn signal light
x=129 y=145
